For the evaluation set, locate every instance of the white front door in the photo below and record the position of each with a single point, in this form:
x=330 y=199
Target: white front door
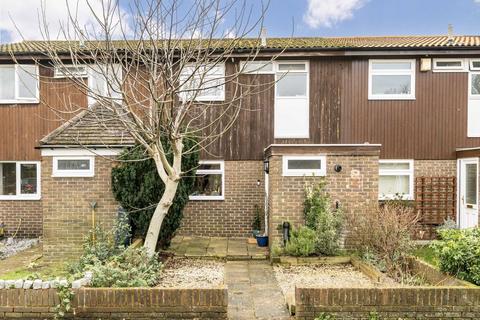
x=468 y=187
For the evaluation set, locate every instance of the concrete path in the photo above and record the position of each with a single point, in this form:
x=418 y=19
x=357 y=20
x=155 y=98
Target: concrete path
x=211 y=247
x=253 y=292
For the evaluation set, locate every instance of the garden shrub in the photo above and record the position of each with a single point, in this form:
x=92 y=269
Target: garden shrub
x=138 y=188
x=302 y=242
x=112 y=264
x=323 y=219
x=384 y=235
x=458 y=253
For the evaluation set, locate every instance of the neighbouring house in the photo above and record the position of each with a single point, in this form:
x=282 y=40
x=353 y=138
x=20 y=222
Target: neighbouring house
x=375 y=117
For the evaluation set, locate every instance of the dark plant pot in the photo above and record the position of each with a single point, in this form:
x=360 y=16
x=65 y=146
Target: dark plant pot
x=262 y=241
x=255 y=233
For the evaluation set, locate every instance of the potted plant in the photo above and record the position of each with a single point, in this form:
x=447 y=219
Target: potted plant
x=256 y=224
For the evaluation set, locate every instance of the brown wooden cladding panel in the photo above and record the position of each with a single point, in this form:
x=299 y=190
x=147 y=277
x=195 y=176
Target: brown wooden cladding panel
x=22 y=125
x=430 y=127
x=253 y=130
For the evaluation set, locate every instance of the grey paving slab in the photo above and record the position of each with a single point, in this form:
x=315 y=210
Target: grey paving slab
x=253 y=291
x=214 y=247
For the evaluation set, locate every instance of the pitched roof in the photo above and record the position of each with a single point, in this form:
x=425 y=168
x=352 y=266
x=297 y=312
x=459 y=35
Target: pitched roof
x=373 y=42
x=95 y=127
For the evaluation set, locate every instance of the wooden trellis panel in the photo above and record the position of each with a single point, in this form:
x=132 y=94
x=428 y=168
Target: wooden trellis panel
x=436 y=199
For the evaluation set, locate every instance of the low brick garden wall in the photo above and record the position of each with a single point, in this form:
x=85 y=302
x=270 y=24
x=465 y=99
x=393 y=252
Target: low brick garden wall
x=128 y=303
x=389 y=303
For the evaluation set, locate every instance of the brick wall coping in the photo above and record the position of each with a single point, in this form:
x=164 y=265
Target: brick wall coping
x=336 y=149
x=182 y=303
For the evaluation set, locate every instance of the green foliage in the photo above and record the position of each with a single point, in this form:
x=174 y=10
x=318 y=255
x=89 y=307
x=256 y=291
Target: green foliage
x=302 y=242
x=257 y=224
x=458 y=252
x=373 y=315
x=138 y=188
x=325 y=316
x=323 y=219
x=65 y=295
x=130 y=268
x=114 y=265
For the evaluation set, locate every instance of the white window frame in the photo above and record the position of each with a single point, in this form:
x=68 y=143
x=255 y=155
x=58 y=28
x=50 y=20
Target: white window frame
x=462 y=68
x=394 y=72
x=305 y=98
x=92 y=70
x=206 y=98
x=263 y=63
x=58 y=173
x=18 y=99
x=58 y=73
x=398 y=172
x=19 y=196
x=286 y=172
x=212 y=171
x=471 y=64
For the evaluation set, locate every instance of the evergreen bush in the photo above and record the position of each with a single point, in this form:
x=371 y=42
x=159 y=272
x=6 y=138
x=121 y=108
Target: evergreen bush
x=138 y=188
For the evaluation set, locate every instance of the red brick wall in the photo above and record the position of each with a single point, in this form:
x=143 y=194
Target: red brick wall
x=355 y=188
x=67 y=216
x=388 y=303
x=435 y=168
x=24 y=215
x=118 y=303
x=233 y=216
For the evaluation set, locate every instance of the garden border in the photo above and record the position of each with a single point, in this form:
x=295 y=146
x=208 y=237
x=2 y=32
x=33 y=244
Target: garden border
x=127 y=303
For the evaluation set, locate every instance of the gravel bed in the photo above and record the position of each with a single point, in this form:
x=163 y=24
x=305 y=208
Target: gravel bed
x=192 y=273
x=316 y=275
x=12 y=246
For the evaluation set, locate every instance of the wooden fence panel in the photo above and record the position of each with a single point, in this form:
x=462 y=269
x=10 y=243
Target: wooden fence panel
x=436 y=200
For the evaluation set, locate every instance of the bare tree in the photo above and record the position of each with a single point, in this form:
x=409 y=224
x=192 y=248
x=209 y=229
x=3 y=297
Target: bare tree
x=159 y=68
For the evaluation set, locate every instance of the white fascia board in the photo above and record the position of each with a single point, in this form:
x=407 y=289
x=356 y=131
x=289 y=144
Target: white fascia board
x=59 y=152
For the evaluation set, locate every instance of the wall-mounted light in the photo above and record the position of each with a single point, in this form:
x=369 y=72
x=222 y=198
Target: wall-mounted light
x=258 y=183
x=337 y=168
x=266 y=166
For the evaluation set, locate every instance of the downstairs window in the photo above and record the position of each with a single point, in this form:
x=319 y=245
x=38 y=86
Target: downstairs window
x=209 y=181
x=19 y=180
x=395 y=179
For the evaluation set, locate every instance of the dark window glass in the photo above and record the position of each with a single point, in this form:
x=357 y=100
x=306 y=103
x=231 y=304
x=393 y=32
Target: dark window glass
x=74 y=164
x=28 y=176
x=8 y=176
x=208 y=185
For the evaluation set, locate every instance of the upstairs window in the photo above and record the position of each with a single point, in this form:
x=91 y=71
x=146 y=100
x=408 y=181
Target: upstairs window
x=19 y=180
x=203 y=83
x=257 y=67
x=70 y=71
x=391 y=80
x=291 y=100
x=448 y=64
x=19 y=84
x=104 y=82
x=395 y=179
x=209 y=181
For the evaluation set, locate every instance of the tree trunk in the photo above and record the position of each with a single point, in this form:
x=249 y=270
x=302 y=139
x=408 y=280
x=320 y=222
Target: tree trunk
x=158 y=216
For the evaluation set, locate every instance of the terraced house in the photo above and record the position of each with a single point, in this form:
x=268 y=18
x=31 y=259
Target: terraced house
x=375 y=117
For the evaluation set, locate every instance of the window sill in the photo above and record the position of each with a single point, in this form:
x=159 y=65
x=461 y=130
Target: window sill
x=206 y=198
x=394 y=198
x=20 y=198
x=373 y=98
x=19 y=102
